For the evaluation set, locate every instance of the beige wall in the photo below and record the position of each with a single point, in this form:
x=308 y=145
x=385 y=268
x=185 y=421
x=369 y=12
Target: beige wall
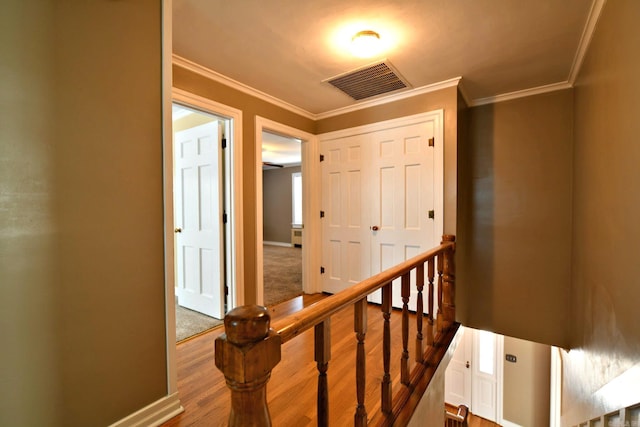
x=526 y=383
x=277 y=204
x=515 y=244
x=606 y=272
x=81 y=254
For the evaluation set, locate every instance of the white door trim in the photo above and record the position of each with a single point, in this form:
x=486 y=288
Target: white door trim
x=236 y=273
x=310 y=204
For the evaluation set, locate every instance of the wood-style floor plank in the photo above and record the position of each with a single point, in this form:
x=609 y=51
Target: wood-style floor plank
x=291 y=391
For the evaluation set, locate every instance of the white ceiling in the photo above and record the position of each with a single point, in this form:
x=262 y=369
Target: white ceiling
x=286 y=49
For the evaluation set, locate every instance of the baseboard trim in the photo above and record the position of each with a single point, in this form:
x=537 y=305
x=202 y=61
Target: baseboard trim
x=506 y=423
x=284 y=245
x=154 y=414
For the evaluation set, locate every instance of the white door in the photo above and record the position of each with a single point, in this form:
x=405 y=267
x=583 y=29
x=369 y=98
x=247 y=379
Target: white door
x=379 y=184
x=485 y=375
x=402 y=194
x=198 y=219
x=346 y=237
x=457 y=377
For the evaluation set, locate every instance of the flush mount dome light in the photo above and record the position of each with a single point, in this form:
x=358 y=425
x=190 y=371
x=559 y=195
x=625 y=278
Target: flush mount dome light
x=365 y=44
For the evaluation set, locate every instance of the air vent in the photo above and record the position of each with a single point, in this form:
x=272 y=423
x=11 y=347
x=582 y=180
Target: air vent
x=372 y=80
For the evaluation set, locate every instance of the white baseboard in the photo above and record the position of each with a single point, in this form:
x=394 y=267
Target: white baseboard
x=506 y=423
x=154 y=414
x=286 y=245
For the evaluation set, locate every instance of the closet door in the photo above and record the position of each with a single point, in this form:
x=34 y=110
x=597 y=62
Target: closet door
x=346 y=238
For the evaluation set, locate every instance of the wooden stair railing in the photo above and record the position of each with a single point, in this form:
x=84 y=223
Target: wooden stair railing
x=251 y=347
x=456 y=420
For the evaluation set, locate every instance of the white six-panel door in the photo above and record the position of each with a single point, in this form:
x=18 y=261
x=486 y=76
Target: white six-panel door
x=377 y=190
x=346 y=238
x=198 y=219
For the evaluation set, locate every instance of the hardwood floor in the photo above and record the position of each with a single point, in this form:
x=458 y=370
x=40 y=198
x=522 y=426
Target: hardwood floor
x=291 y=392
x=473 y=420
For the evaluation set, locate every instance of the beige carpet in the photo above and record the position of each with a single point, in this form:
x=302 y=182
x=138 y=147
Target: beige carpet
x=190 y=323
x=282 y=273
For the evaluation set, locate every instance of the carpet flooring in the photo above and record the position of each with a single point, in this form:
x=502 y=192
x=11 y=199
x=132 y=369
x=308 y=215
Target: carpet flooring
x=190 y=323
x=282 y=281
x=282 y=273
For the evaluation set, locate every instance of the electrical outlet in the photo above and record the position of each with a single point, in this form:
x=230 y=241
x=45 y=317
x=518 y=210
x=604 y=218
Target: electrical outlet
x=511 y=358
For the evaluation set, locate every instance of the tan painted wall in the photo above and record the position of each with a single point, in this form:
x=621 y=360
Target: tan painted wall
x=606 y=272
x=277 y=204
x=516 y=239
x=81 y=230
x=251 y=107
x=526 y=383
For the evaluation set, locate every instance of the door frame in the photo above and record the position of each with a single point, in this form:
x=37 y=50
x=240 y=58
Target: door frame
x=310 y=203
x=236 y=272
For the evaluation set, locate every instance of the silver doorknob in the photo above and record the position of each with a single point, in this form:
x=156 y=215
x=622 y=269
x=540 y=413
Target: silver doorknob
x=178 y=230
x=375 y=228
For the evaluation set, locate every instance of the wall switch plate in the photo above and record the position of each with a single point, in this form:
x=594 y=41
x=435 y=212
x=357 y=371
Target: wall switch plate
x=511 y=358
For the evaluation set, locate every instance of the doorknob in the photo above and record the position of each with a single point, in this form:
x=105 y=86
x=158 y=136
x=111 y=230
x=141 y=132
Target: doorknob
x=467 y=365
x=375 y=228
x=178 y=230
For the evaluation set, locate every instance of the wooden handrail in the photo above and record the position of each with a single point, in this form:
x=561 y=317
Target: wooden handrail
x=296 y=323
x=251 y=346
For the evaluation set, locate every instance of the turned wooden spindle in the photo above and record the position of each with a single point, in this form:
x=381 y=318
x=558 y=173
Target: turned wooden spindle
x=322 y=335
x=449 y=281
x=430 y=296
x=246 y=353
x=439 y=319
x=404 y=359
x=420 y=313
x=360 y=328
x=386 y=349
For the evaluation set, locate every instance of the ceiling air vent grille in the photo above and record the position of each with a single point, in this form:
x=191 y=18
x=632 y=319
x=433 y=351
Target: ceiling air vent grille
x=372 y=80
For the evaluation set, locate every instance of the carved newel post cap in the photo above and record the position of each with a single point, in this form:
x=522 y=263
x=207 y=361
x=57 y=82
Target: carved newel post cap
x=247 y=324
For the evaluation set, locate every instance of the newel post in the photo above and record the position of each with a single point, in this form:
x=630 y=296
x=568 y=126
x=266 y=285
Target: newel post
x=246 y=353
x=449 y=280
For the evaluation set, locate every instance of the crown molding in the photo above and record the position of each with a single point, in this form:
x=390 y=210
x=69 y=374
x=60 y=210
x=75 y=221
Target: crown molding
x=521 y=93
x=585 y=39
x=391 y=98
x=234 y=84
x=463 y=91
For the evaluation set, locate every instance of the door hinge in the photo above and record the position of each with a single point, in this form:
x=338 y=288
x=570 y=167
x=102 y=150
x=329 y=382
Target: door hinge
x=432 y=142
x=226 y=290
x=224 y=218
x=224 y=143
x=321 y=214
x=432 y=214
x=322 y=157
x=321 y=270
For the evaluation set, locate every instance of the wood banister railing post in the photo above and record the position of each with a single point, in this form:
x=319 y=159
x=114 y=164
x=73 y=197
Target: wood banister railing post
x=449 y=281
x=322 y=352
x=386 y=349
x=360 y=328
x=246 y=353
x=405 y=292
x=430 y=296
x=419 y=313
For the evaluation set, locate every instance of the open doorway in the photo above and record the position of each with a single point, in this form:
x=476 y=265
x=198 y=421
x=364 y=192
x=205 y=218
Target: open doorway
x=205 y=219
x=281 y=217
x=307 y=233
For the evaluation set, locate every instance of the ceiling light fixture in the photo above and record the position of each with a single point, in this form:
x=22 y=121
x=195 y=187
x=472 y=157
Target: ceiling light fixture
x=365 y=44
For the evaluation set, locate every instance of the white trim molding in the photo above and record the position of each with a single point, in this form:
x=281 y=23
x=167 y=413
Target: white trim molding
x=585 y=39
x=391 y=98
x=234 y=84
x=521 y=94
x=154 y=414
x=506 y=423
